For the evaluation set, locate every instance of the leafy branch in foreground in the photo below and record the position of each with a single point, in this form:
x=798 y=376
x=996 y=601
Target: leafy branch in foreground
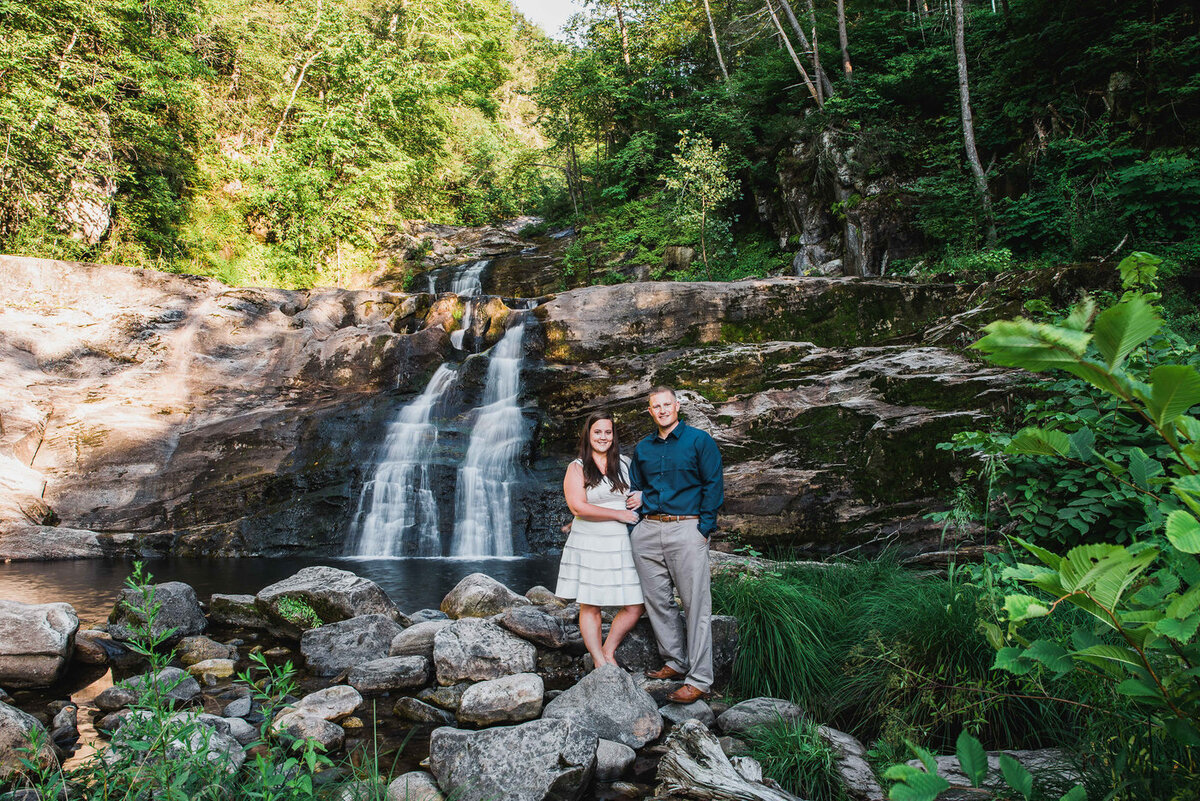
x=1143 y=600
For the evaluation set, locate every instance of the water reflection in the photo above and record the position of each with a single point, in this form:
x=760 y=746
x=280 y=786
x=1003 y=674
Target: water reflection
x=92 y=585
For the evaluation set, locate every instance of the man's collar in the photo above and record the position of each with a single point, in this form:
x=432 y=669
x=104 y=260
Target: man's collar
x=674 y=433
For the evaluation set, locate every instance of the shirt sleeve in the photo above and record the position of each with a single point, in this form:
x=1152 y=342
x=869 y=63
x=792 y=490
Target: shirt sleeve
x=712 y=483
x=635 y=472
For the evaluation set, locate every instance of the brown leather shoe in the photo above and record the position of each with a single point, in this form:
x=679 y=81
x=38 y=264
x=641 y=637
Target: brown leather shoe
x=687 y=694
x=665 y=672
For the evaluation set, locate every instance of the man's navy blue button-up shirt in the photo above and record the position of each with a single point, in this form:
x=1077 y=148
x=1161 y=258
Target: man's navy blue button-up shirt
x=679 y=475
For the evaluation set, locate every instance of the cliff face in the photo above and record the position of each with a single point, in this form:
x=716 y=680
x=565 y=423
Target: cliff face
x=152 y=413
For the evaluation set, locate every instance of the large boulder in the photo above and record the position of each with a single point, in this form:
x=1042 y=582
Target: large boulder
x=417 y=639
x=1050 y=766
x=332 y=594
x=239 y=611
x=35 y=642
x=389 y=674
x=542 y=760
x=850 y=762
x=609 y=703
x=179 y=614
x=338 y=647
x=416 y=785
x=477 y=650
x=510 y=699
x=755 y=712
x=535 y=625
x=18 y=731
x=480 y=595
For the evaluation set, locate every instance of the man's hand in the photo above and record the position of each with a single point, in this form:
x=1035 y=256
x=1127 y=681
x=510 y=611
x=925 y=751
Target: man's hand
x=634 y=501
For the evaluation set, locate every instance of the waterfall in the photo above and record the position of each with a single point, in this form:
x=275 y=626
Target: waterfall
x=482 y=501
x=469 y=282
x=401 y=517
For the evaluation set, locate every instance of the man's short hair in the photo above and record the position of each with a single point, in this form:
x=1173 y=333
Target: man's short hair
x=662 y=390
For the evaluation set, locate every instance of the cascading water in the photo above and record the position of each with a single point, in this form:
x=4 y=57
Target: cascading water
x=482 y=501
x=397 y=514
x=469 y=282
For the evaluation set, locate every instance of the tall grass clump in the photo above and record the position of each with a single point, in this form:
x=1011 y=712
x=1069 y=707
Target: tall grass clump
x=784 y=649
x=799 y=758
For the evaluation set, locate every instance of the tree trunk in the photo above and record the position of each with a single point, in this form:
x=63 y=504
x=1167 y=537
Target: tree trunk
x=812 y=89
x=816 y=55
x=716 y=45
x=624 y=32
x=964 y=96
x=847 y=70
x=826 y=85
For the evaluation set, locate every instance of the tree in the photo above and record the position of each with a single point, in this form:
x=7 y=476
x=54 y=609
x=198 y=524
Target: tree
x=701 y=179
x=968 y=126
x=716 y=45
x=843 y=40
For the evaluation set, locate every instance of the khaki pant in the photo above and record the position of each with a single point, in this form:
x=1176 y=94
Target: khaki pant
x=667 y=554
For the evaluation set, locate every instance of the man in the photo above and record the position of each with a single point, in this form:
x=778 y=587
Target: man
x=678 y=471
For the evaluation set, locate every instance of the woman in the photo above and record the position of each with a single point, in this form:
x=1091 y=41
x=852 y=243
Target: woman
x=597 y=562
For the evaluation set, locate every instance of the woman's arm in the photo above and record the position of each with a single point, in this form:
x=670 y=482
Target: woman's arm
x=576 y=496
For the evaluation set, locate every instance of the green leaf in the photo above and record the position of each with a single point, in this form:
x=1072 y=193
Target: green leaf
x=1050 y=654
x=1136 y=688
x=1039 y=442
x=1016 y=775
x=1182 y=730
x=1013 y=660
x=972 y=759
x=1142 y=468
x=1121 y=328
x=1174 y=388
x=1033 y=346
x=1183 y=530
x=1138 y=269
x=918 y=786
x=1185 y=604
x=1181 y=631
x=1024 y=607
x=1107 y=656
x=1083 y=444
x=1076 y=793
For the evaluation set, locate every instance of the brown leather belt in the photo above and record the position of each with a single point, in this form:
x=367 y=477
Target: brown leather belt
x=671 y=518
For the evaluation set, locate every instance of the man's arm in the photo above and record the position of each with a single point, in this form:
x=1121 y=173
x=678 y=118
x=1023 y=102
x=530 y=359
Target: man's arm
x=635 y=472
x=712 y=482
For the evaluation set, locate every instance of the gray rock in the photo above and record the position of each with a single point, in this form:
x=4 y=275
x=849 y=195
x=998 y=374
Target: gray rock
x=542 y=596
x=92 y=646
x=416 y=785
x=199 y=648
x=609 y=703
x=1050 y=766
x=732 y=746
x=310 y=727
x=338 y=647
x=240 y=611
x=335 y=595
x=510 y=699
x=171 y=682
x=533 y=624
x=420 y=712
x=543 y=760
x=697 y=710
x=477 y=650
x=851 y=764
x=758 y=712
x=612 y=760
x=480 y=595
x=331 y=703
x=417 y=639
x=35 y=642
x=426 y=615
x=211 y=669
x=390 y=673
x=238 y=707
x=445 y=697
x=241 y=731
x=16 y=737
x=179 y=613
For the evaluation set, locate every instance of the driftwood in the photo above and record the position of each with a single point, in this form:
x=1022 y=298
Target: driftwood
x=695 y=767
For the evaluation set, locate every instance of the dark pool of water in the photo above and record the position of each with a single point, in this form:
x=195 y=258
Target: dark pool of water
x=91 y=585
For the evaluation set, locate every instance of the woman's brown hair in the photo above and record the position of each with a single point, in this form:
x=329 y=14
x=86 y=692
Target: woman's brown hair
x=591 y=473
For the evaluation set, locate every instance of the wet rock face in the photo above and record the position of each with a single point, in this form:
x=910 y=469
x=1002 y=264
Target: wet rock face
x=175 y=414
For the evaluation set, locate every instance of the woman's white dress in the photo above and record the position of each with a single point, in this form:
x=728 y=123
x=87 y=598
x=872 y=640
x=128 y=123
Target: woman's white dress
x=597 y=561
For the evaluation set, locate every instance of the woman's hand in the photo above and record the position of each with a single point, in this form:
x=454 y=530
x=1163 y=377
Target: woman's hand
x=629 y=517
x=633 y=500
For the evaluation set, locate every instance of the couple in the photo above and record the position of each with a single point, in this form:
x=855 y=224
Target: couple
x=671 y=489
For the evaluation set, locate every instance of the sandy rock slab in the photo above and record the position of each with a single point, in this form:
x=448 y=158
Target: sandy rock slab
x=36 y=642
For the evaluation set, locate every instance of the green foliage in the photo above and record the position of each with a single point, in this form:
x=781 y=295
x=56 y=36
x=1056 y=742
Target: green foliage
x=701 y=181
x=1142 y=598
x=799 y=758
x=299 y=612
